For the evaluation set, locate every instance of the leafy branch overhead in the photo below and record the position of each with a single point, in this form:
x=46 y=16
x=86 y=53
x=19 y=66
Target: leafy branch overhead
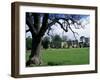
x=43 y=22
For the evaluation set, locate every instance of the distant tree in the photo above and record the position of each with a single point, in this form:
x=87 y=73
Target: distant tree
x=69 y=42
x=28 y=43
x=80 y=44
x=56 y=41
x=86 y=42
x=82 y=39
x=46 y=42
x=75 y=43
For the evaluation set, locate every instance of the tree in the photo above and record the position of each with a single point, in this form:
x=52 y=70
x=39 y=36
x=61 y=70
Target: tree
x=39 y=23
x=46 y=42
x=69 y=42
x=56 y=41
x=82 y=39
x=87 y=42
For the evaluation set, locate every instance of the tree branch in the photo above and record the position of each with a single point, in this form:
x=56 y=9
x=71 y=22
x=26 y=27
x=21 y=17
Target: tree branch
x=61 y=25
x=49 y=28
x=44 y=26
x=27 y=30
x=30 y=24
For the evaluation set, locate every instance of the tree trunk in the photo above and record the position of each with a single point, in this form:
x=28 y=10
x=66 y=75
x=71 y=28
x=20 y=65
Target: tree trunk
x=37 y=31
x=35 y=57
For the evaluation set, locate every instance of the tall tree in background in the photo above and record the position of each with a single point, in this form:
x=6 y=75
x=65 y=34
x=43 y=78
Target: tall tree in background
x=46 y=42
x=39 y=23
x=82 y=38
x=56 y=41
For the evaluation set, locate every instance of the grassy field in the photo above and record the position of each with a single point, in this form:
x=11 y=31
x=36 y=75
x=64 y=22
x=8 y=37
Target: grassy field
x=72 y=56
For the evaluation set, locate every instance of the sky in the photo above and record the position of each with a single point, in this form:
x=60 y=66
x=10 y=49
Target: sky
x=56 y=30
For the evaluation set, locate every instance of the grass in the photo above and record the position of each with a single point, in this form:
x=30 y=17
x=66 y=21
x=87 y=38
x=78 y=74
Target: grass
x=72 y=56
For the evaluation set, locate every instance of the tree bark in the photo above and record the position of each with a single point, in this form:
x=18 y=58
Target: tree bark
x=35 y=57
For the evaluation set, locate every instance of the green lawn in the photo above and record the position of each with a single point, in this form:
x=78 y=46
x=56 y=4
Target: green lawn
x=72 y=56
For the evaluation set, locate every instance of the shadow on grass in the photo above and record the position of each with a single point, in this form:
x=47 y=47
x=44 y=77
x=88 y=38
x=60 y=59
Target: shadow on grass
x=55 y=63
